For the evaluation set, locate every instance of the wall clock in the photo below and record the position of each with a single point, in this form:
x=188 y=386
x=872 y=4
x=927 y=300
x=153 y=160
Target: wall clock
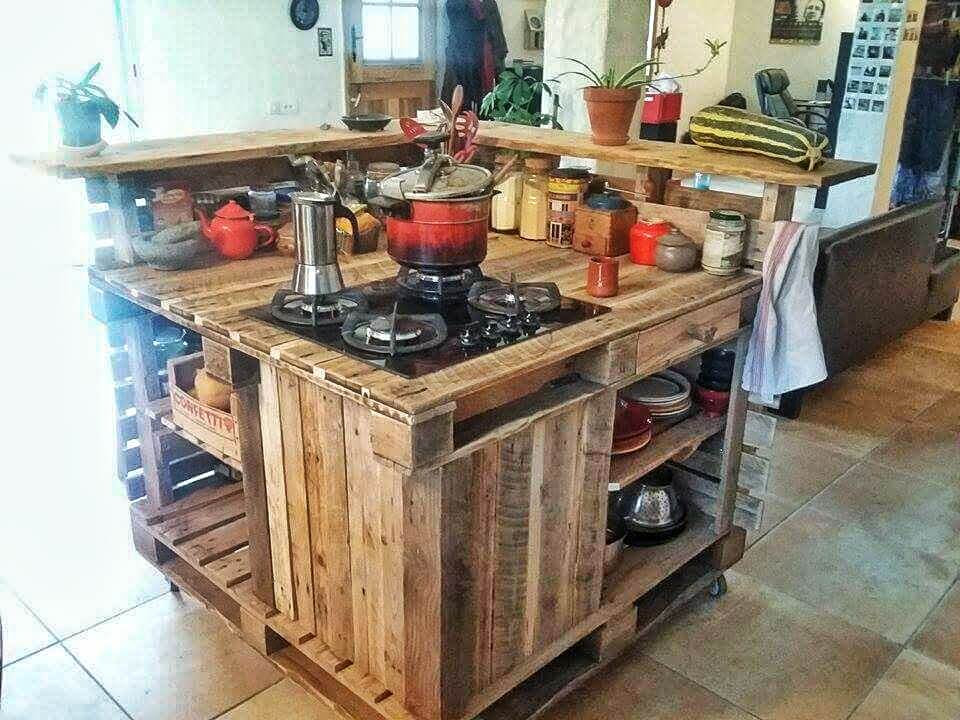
x=304 y=13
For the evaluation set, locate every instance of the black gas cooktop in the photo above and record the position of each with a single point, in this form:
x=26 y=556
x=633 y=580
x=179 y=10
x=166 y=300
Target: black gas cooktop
x=383 y=324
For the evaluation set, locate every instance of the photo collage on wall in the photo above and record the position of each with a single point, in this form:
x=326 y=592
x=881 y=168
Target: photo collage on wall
x=874 y=51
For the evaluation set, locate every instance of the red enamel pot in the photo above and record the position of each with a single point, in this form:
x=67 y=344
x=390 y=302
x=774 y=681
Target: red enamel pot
x=441 y=233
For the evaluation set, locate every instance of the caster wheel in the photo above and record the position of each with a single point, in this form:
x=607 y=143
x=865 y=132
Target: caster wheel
x=719 y=587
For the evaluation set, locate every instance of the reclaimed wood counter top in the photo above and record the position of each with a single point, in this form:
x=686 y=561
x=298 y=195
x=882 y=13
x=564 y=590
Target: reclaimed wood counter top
x=211 y=300
x=684 y=158
x=177 y=152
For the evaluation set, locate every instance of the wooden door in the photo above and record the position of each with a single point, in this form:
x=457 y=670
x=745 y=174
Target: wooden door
x=391 y=49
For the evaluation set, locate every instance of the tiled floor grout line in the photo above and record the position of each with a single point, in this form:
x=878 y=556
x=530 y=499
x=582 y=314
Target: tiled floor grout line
x=98 y=623
x=93 y=677
x=246 y=699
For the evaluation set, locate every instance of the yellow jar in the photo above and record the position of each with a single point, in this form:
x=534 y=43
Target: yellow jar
x=534 y=204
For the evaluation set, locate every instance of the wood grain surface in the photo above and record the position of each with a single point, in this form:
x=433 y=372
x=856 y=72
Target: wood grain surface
x=211 y=300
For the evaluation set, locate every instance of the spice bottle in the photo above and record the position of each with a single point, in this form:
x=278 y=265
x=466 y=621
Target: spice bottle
x=533 y=202
x=565 y=190
x=505 y=207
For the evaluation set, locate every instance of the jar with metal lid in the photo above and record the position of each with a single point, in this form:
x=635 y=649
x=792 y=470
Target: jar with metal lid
x=533 y=201
x=505 y=207
x=723 y=242
x=565 y=190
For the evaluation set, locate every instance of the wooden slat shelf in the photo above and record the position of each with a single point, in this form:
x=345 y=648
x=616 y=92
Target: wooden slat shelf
x=191 y=151
x=640 y=569
x=682 y=158
x=159 y=410
x=675 y=442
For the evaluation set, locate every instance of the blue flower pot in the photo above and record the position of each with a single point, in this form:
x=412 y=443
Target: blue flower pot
x=79 y=123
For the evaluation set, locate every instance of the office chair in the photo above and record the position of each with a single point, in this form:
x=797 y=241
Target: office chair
x=776 y=100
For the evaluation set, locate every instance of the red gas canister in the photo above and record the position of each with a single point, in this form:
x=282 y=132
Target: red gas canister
x=643 y=240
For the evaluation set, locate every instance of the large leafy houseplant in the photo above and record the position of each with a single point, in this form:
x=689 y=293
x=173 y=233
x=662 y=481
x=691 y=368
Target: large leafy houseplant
x=512 y=97
x=612 y=97
x=80 y=105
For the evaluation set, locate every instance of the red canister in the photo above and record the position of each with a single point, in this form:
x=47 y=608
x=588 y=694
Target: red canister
x=643 y=240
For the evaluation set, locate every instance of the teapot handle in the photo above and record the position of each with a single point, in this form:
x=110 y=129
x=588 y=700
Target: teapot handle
x=269 y=233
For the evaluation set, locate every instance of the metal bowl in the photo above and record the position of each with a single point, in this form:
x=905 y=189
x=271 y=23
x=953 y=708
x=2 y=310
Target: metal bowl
x=651 y=504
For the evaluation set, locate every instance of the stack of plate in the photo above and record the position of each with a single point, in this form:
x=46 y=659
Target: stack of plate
x=666 y=395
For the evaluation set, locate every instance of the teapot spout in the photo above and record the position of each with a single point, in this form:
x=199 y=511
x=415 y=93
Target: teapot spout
x=206 y=228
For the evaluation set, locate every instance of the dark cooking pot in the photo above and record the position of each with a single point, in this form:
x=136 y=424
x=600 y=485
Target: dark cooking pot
x=440 y=233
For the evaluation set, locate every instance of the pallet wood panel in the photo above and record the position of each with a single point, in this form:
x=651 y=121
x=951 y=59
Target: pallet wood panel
x=671 y=156
x=210 y=300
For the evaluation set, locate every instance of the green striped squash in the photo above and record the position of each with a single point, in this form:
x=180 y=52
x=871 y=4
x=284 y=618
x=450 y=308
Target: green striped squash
x=727 y=128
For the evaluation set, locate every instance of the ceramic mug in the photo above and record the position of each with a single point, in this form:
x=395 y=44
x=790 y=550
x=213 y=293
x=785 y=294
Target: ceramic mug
x=603 y=277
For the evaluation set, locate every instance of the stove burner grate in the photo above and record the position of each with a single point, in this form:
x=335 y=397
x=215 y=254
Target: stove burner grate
x=437 y=285
x=393 y=334
x=316 y=310
x=500 y=298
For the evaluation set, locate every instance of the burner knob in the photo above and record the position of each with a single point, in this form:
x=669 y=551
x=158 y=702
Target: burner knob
x=470 y=336
x=492 y=332
x=530 y=322
x=512 y=328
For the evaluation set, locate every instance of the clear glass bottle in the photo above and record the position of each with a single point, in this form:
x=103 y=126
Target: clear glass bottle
x=534 y=203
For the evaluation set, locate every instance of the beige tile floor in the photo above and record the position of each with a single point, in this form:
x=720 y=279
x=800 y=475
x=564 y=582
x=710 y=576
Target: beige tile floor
x=847 y=604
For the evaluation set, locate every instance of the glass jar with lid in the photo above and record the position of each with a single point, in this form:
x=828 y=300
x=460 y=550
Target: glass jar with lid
x=534 y=203
x=505 y=207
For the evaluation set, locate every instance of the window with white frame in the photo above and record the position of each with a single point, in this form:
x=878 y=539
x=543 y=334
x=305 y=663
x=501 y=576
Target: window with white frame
x=391 y=31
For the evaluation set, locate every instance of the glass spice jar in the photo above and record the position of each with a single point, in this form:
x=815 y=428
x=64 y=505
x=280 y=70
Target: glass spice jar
x=565 y=190
x=533 y=201
x=505 y=207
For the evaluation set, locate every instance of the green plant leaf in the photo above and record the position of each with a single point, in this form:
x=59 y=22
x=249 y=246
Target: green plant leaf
x=591 y=73
x=635 y=69
x=593 y=81
x=90 y=73
x=109 y=109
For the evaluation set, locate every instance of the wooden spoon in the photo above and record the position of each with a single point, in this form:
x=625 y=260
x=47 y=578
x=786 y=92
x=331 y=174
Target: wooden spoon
x=456 y=105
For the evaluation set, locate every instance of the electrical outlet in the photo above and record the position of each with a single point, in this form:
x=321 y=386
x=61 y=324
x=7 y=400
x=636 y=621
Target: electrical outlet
x=284 y=107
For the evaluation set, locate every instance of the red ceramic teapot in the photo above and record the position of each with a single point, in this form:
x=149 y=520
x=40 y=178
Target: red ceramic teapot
x=234 y=233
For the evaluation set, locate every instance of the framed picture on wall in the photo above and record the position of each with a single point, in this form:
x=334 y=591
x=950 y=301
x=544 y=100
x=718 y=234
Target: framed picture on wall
x=797 y=22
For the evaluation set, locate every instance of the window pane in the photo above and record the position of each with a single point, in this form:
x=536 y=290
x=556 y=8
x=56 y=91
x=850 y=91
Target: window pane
x=375 y=22
x=406 y=33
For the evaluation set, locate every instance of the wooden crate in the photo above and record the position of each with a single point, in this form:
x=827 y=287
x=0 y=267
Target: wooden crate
x=215 y=428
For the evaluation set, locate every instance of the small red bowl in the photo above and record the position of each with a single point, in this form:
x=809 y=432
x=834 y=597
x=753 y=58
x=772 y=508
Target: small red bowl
x=631 y=418
x=713 y=402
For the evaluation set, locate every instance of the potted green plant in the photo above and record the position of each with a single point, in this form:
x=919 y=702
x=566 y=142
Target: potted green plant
x=79 y=106
x=612 y=98
x=511 y=98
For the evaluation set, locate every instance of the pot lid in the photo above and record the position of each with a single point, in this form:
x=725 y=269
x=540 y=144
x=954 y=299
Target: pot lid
x=451 y=181
x=675 y=238
x=232 y=211
x=312 y=197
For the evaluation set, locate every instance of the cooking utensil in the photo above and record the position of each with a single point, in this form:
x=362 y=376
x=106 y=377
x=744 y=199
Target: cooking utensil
x=663 y=388
x=466 y=127
x=411 y=128
x=440 y=233
x=366 y=122
x=651 y=504
x=456 y=104
x=317 y=271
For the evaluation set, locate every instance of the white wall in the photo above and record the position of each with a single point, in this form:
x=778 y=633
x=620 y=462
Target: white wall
x=215 y=65
x=691 y=22
x=751 y=50
x=514 y=21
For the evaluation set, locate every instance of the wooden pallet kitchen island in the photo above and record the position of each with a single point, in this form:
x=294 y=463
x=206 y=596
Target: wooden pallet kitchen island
x=432 y=548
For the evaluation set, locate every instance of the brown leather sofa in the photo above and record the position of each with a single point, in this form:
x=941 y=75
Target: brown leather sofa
x=875 y=280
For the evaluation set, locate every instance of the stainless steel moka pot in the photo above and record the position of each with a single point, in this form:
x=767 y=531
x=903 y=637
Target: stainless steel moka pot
x=315 y=213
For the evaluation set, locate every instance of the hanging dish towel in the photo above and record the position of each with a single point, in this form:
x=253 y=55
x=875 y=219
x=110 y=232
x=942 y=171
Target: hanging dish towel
x=785 y=350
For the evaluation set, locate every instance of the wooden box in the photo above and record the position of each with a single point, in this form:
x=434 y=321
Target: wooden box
x=603 y=232
x=214 y=427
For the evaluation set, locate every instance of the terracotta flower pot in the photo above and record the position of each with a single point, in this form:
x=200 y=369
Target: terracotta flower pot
x=611 y=112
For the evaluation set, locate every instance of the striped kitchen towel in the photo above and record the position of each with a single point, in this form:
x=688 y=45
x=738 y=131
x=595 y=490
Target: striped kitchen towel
x=785 y=351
